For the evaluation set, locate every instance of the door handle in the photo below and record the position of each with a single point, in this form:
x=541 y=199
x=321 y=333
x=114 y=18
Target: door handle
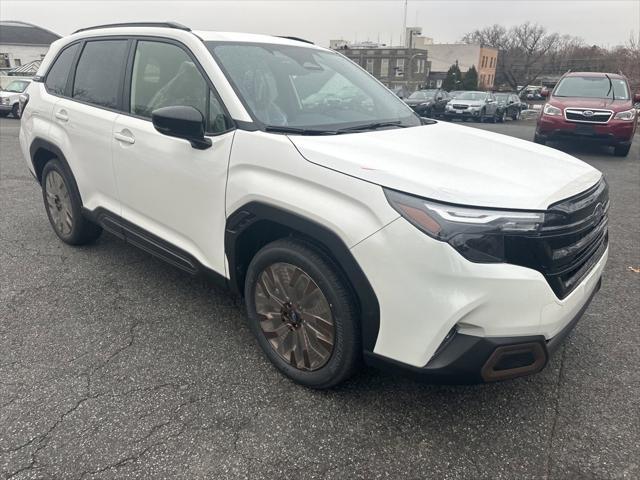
x=125 y=137
x=62 y=116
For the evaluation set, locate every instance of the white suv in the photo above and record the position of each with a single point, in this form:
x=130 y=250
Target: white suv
x=354 y=229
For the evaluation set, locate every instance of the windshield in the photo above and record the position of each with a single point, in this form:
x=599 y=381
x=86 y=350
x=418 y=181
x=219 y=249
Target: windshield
x=307 y=88
x=502 y=97
x=17 y=86
x=421 y=95
x=471 y=96
x=592 y=87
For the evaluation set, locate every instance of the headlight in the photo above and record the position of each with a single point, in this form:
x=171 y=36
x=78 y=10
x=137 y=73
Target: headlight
x=477 y=233
x=449 y=107
x=551 y=110
x=626 y=115
x=5 y=101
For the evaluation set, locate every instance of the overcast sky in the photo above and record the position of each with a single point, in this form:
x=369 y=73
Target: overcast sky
x=603 y=22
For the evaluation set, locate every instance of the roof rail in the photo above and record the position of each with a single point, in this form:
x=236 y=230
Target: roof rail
x=179 y=26
x=298 y=39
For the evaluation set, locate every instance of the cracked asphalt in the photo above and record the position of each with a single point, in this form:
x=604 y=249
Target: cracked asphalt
x=115 y=365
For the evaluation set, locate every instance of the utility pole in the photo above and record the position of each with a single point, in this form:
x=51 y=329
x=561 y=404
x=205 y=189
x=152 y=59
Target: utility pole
x=404 y=25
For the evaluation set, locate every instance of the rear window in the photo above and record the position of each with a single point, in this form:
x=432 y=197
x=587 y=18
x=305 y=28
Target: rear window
x=592 y=87
x=99 y=73
x=59 y=72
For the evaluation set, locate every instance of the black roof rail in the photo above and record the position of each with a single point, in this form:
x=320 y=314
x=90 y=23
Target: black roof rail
x=298 y=39
x=179 y=26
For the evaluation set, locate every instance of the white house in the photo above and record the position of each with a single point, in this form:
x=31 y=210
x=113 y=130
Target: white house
x=21 y=43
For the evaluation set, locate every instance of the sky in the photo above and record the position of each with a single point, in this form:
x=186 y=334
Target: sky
x=602 y=22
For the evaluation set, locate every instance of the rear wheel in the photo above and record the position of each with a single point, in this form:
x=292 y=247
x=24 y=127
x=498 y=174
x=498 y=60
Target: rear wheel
x=621 y=150
x=302 y=313
x=516 y=115
x=500 y=117
x=64 y=207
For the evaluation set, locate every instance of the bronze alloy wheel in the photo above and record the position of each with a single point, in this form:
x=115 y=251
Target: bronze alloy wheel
x=59 y=203
x=295 y=316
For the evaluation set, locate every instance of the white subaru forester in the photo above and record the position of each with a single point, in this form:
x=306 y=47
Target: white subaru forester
x=355 y=230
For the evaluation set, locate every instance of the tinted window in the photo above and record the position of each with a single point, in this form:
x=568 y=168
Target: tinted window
x=164 y=75
x=59 y=72
x=100 y=71
x=218 y=120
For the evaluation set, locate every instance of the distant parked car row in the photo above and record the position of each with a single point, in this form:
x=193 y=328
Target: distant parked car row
x=466 y=105
x=10 y=98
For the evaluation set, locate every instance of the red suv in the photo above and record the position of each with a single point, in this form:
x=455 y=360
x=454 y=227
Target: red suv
x=590 y=105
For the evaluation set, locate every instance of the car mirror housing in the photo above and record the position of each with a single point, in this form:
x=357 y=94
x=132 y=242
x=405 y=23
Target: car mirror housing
x=636 y=97
x=182 y=122
x=544 y=92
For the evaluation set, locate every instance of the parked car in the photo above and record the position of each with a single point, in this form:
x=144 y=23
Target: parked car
x=590 y=106
x=10 y=98
x=480 y=106
x=454 y=254
x=428 y=103
x=509 y=105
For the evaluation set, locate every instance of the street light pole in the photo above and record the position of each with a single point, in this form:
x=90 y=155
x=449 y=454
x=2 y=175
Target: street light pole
x=404 y=25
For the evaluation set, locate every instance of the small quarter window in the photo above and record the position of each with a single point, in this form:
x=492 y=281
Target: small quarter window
x=58 y=74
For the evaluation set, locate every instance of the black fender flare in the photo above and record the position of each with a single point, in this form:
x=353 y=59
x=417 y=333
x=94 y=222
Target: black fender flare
x=247 y=215
x=39 y=143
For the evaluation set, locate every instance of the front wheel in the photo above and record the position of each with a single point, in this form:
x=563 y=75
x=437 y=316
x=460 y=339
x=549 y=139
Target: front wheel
x=302 y=313
x=500 y=117
x=621 y=150
x=539 y=140
x=516 y=115
x=16 y=111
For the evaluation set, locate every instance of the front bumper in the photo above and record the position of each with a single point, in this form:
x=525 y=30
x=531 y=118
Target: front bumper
x=426 y=290
x=466 y=359
x=5 y=108
x=613 y=133
x=462 y=114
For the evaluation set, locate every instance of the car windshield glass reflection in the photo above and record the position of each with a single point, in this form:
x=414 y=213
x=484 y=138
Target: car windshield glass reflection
x=471 y=96
x=17 y=87
x=307 y=88
x=592 y=87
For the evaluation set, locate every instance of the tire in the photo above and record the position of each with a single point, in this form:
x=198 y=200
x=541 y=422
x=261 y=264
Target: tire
x=16 y=111
x=482 y=117
x=500 y=118
x=621 y=150
x=516 y=115
x=539 y=140
x=64 y=207
x=279 y=312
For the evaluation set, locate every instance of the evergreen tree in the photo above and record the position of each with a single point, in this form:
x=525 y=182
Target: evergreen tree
x=453 y=79
x=470 y=80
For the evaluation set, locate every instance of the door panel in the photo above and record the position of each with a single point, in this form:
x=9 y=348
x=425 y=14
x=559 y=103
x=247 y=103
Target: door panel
x=83 y=132
x=173 y=190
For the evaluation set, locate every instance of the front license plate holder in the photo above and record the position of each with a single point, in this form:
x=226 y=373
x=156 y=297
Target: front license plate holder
x=584 y=130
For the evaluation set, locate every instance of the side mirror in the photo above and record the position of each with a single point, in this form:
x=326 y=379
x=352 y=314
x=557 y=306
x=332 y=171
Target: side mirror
x=544 y=92
x=181 y=122
x=636 y=97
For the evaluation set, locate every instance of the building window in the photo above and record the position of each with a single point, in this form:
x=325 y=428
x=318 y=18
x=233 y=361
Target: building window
x=420 y=65
x=370 y=65
x=384 y=67
x=17 y=62
x=399 y=67
x=4 y=60
x=438 y=83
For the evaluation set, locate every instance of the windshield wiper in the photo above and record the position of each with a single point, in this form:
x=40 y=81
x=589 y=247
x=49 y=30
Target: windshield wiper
x=611 y=89
x=373 y=126
x=299 y=131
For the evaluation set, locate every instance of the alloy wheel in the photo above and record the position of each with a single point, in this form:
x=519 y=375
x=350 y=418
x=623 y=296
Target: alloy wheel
x=295 y=316
x=59 y=203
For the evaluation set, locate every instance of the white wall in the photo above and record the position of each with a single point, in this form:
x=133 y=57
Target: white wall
x=25 y=53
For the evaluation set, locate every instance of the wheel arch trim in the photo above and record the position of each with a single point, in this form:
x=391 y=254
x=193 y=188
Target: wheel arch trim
x=249 y=214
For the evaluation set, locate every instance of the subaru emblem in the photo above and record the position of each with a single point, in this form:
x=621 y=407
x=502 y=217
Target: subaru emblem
x=587 y=113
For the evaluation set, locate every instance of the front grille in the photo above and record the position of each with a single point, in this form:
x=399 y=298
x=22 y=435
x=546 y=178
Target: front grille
x=587 y=115
x=573 y=238
x=460 y=106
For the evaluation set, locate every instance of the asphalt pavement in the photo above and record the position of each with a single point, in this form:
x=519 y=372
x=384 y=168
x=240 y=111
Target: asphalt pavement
x=115 y=365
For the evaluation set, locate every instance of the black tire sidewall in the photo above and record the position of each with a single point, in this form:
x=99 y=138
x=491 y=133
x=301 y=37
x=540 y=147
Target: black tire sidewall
x=15 y=111
x=75 y=237
x=346 y=349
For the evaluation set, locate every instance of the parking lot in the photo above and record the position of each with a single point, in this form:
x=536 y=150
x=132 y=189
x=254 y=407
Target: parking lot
x=115 y=365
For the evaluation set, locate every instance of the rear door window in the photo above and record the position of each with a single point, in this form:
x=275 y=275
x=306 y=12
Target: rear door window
x=58 y=74
x=100 y=72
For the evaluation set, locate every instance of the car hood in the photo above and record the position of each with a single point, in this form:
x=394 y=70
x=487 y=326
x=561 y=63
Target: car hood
x=5 y=94
x=580 y=102
x=455 y=164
